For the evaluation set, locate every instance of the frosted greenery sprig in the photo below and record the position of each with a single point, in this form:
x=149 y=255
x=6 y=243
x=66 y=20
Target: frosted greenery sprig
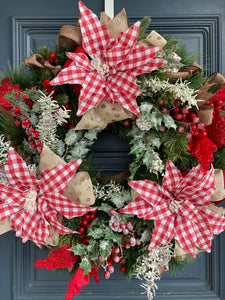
x=180 y=89
x=76 y=144
x=51 y=116
x=148 y=269
x=4 y=147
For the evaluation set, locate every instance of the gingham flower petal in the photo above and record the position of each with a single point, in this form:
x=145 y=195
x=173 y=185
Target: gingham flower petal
x=148 y=190
x=80 y=60
x=185 y=234
x=57 y=179
x=95 y=36
x=141 y=56
x=163 y=232
x=129 y=38
x=17 y=172
x=172 y=177
x=138 y=207
x=92 y=93
x=66 y=207
x=200 y=192
x=72 y=75
x=10 y=195
x=59 y=227
x=161 y=211
x=216 y=221
x=7 y=210
x=124 y=83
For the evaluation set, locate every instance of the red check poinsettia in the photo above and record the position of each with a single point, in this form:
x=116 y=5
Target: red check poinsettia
x=111 y=72
x=178 y=208
x=33 y=204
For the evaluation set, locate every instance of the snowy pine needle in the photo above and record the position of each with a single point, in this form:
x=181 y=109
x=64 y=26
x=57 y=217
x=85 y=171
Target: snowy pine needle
x=4 y=147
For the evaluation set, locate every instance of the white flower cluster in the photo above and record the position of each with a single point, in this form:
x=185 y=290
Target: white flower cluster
x=157 y=164
x=104 y=192
x=180 y=90
x=51 y=116
x=150 y=267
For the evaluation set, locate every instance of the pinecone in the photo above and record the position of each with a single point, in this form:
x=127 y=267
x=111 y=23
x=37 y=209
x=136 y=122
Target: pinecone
x=144 y=123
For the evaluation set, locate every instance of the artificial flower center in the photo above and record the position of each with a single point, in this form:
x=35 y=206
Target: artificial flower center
x=174 y=206
x=100 y=67
x=30 y=204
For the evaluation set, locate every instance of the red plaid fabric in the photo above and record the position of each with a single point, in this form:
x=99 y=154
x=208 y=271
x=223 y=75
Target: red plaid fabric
x=125 y=60
x=34 y=222
x=178 y=208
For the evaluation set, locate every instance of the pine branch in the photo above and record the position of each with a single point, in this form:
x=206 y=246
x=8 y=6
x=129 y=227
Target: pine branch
x=145 y=22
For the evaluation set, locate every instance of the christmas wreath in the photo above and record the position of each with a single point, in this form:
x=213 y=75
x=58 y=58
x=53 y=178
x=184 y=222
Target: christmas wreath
x=157 y=213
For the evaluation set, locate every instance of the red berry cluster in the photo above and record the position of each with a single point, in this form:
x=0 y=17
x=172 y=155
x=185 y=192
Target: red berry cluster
x=114 y=257
x=53 y=60
x=189 y=121
x=85 y=222
x=32 y=135
x=48 y=88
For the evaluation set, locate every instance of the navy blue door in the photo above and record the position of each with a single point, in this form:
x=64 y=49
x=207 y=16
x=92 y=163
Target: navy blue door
x=27 y=23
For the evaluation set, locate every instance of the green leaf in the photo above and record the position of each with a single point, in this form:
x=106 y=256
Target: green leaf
x=105 y=207
x=169 y=122
x=79 y=249
x=85 y=265
x=148 y=159
x=96 y=233
x=138 y=146
x=112 y=235
x=105 y=248
x=156 y=119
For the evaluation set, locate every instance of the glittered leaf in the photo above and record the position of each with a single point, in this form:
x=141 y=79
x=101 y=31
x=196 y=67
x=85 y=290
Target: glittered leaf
x=156 y=119
x=105 y=248
x=148 y=159
x=169 y=122
x=85 y=265
x=78 y=249
x=96 y=233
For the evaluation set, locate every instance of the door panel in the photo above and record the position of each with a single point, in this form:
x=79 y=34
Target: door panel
x=23 y=25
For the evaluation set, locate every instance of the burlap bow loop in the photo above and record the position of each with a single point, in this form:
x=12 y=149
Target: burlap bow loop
x=205 y=111
x=185 y=72
x=70 y=36
x=36 y=60
x=115 y=25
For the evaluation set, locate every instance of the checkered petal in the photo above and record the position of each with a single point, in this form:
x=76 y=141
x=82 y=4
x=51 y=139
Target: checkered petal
x=52 y=218
x=201 y=191
x=17 y=221
x=172 y=178
x=126 y=101
x=138 y=207
x=160 y=211
x=66 y=207
x=7 y=210
x=72 y=75
x=17 y=172
x=163 y=232
x=80 y=60
x=185 y=234
x=142 y=59
x=204 y=233
x=95 y=36
x=57 y=179
x=148 y=190
x=216 y=221
x=129 y=38
x=92 y=92
x=10 y=195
